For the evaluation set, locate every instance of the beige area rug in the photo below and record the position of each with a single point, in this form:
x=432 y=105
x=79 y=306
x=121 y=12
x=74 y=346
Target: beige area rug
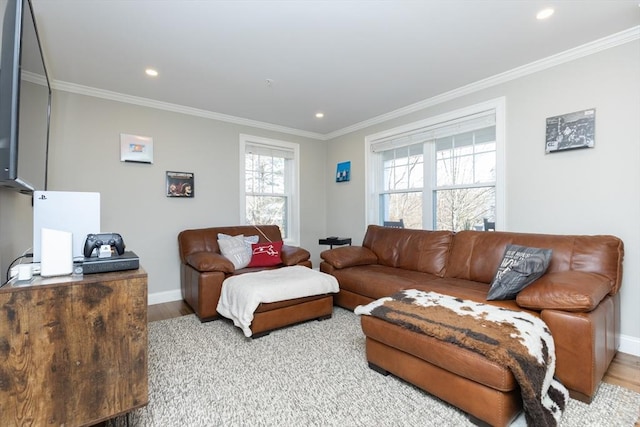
x=312 y=374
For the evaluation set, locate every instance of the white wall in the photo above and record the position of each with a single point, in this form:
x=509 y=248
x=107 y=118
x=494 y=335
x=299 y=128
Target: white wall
x=589 y=191
x=85 y=156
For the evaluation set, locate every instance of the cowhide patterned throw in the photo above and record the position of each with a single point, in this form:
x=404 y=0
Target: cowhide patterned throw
x=515 y=339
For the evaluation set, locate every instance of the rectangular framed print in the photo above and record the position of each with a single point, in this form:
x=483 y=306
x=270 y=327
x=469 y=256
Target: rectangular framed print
x=180 y=184
x=135 y=148
x=343 y=173
x=571 y=131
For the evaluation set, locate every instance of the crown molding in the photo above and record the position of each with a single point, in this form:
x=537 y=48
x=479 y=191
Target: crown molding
x=38 y=79
x=569 y=55
x=176 y=108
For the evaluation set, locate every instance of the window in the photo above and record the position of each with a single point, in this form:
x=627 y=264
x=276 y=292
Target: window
x=402 y=185
x=464 y=190
x=269 y=181
x=441 y=173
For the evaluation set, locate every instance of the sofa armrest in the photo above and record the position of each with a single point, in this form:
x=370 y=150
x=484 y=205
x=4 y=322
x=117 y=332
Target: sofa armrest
x=573 y=291
x=209 y=261
x=293 y=255
x=349 y=256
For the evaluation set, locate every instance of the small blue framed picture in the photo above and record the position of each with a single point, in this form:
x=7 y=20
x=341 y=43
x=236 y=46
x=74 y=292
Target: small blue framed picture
x=344 y=172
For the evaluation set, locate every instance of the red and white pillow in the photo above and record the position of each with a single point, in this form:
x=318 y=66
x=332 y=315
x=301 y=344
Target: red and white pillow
x=266 y=254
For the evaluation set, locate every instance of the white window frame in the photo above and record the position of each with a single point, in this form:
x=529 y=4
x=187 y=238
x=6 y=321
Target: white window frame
x=293 y=179
x=372 y=203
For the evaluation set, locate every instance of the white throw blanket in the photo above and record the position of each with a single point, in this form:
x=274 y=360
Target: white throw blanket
x=242 y=294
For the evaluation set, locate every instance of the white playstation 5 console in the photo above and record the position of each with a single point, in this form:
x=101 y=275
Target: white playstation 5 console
x=73 y=212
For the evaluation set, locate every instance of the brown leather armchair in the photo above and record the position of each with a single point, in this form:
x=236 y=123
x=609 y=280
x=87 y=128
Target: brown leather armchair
x=203 y=268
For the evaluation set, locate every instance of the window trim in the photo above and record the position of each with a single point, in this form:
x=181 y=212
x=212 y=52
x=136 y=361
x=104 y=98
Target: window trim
x=498 y=105
x=294 y=214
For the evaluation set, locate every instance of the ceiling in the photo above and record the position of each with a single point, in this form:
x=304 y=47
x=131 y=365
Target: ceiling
x=278 y=63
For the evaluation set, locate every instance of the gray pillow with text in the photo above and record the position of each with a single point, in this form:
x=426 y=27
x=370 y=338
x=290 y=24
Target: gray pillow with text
x=520 y=266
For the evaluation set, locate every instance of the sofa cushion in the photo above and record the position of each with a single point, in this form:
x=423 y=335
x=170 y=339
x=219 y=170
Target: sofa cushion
x=520 y=266
x=209 y=261
x=574 y=291
x=475 y=255
x=425 y=251
x=377 y=281
x=466 y=289
x=349 y=256
x=292 y=255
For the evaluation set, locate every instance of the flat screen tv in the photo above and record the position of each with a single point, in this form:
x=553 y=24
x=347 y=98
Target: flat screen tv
x=25 y=100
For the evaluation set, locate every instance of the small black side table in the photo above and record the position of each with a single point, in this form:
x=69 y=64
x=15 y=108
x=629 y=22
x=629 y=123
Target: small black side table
x=337 y=241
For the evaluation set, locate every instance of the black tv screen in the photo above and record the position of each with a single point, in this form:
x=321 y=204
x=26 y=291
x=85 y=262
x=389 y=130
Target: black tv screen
x=25 y=100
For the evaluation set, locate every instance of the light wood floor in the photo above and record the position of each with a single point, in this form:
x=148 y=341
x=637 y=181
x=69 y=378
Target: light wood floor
x=623 y=371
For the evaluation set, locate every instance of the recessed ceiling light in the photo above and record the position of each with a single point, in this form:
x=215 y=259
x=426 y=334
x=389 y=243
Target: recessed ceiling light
x=151 y=72
x=545 y=13
x=319 y=115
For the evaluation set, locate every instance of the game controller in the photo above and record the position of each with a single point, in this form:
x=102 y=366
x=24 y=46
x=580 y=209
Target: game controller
x=97 y=240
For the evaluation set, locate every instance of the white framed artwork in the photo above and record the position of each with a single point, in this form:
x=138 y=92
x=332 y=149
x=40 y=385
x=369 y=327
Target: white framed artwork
x=136 y=148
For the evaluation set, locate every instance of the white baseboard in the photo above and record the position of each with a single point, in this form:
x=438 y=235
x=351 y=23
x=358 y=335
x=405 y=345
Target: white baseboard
x=629 y=345
x=162 y=297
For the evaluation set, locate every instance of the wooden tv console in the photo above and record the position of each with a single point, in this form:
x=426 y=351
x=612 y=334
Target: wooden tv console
x=73 y=350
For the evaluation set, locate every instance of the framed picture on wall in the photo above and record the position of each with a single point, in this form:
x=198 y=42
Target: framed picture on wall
x=180 y=184
x=571 y=131
x=343 y=173
x=136 y=148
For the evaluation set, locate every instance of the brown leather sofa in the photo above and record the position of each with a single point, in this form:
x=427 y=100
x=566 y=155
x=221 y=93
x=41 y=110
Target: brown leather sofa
x=577 y=298
x=203 y=269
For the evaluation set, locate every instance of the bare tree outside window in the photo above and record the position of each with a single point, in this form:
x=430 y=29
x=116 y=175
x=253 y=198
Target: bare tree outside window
x=266 y=199
x=464 y=209
x=267 y=210
x=403 y=182
x=465 y=180
x=463 y=191
x=406 y=207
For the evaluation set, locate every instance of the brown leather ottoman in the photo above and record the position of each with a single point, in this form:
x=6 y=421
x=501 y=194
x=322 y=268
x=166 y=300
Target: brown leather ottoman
x=274 y=315
x=485 y=390
x=265 y=300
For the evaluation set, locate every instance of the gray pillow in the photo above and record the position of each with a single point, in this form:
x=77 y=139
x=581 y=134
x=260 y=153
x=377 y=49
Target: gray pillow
x=237 y=248
x=520 y=266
